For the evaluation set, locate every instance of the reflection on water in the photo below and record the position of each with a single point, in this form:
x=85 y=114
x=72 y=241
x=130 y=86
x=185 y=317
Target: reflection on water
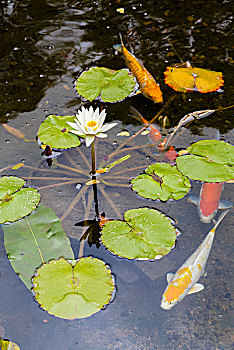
x=44 y=46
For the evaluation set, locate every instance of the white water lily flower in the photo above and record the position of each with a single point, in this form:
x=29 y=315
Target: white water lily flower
x=89 y=123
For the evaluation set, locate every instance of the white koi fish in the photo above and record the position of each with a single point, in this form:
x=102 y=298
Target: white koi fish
x=184 y=281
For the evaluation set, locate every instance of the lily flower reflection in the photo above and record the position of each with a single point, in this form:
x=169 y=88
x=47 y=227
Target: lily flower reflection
x=89 y=123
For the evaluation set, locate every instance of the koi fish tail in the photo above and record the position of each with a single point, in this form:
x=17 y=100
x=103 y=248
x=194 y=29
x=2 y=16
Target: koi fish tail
x=119 y=47
x=137 y=115
x=219 y=219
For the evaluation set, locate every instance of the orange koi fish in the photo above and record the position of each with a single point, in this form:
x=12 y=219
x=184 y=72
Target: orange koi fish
x=184 y=281
x=209 y=201
x=155 y=136
x=147 y=83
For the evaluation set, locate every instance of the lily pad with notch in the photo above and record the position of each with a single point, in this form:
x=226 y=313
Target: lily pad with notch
x=209 y=161
x=105 y=84
x=55 y=132
x=15 y=201
x=161 y=181
x=34 y=240
x=146 y=234
x=73 y=290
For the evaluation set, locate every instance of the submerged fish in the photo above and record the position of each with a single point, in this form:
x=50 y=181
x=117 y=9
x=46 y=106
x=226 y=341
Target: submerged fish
x=209 y=201
x=155 y=136
x=147 y=83
x=184 y=281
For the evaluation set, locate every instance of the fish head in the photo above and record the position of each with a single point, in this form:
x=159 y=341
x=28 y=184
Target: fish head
x=167 y=304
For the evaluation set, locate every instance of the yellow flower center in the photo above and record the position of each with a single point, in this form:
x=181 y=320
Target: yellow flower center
x=92 y=123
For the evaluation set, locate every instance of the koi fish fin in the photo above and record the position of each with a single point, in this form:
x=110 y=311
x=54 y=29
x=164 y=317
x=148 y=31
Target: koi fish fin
x=140 y=63
x=170 y=275
x=193 y=199
x=225 y=204
x=196 y=288
x=135 y=114
x=118 y=47
x=220 y=219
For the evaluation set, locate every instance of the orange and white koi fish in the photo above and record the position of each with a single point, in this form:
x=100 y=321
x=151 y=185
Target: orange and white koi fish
x=184 y=281
x=155 y=136
x=209 y=201
x=148 y=86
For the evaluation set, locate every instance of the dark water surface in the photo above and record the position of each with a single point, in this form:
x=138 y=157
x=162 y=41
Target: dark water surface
x=44 y=46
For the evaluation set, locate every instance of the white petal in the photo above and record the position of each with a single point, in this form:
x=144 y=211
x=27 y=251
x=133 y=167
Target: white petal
x=108 y=126
x=102 y=117
x=77 y=132
x=89 y=139
x=101 y=135
x=73 y=125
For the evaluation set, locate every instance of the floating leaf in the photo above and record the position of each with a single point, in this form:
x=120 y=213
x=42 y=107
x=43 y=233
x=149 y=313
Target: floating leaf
x=209 y=161
x=92 y=182
x=190 y=79
x=8 y=345
x=34 y=240
x=106 y=84
x=15 y=201
x=74 y=290
x=145 y=234
x=17 y=166
x=55 y=132
x=110 y=166
x=161 y=181
x=123 y=133
x=15 y=132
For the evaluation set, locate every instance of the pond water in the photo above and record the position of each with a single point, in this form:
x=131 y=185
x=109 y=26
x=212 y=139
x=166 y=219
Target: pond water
x=45 y=45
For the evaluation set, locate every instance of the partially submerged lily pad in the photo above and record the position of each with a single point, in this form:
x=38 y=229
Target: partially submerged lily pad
x=161 y=181
x=209 y=161
x=75 y=290
x=15 y=201
x=55 y=132
x=33 y=240
x=105 y=84
x=146 y=234
x=8 y=345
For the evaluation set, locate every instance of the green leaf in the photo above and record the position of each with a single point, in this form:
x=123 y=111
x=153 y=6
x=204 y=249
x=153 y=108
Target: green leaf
x=73 y=291
x=106 y=84
x=8 y=345
x=209 y=161
x=16 y=203
x=161 y=181
x=55 y=132
x=214 y=150
x=34 y=240
x=145 y=234
x=9 y=185
x=199 y=168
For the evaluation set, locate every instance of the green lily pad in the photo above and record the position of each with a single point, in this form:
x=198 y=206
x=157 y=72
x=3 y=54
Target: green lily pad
x=8 y=345
x=146 y=234
x=15 y=201
x=161 y=181
x=105 y=84
x=75 y=290
x=34 y=240
x=55 y=132
x=209 y=161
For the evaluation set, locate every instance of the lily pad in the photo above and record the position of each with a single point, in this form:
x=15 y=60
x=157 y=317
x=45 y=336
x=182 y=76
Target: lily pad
x=146 y=234
x=161 y=181
x=105 y=84
x=34 y=240
x=55 y=132
x=209 y=161
x=15 y=201
x=8 y=345
x=74 y=290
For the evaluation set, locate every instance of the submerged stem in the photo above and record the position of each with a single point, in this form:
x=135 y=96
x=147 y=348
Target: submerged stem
x=93 y=158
